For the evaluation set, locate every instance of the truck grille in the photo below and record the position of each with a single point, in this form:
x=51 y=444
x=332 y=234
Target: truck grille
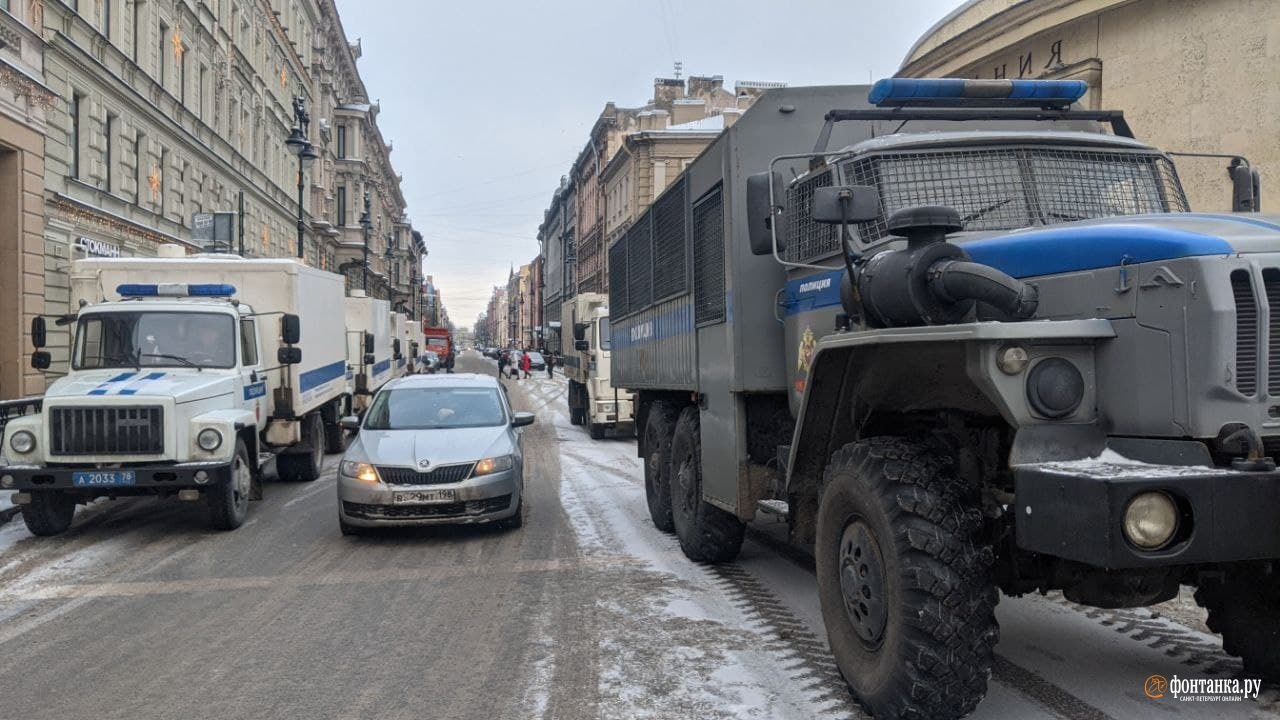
x=1271 y=283
x=106 y=431
x=438 y=476
x=1246 y=333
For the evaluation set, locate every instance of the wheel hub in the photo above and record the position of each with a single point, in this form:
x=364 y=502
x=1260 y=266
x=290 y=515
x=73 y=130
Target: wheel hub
x=242 y=482
x=862 y=582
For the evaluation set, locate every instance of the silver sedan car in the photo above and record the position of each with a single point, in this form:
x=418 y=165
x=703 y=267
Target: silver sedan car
x=434 y=450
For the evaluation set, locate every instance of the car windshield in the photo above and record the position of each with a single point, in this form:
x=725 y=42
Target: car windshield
x=435 y=408
x=155 y=339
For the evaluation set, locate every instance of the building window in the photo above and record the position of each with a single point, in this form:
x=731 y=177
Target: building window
x=4 y=5
x=137 y=28
x=342 y=205
x=140 y=171
x=110 y=146
x=182 y=75
x=342 y=141
x=106 y=17
x=74 y=140
x=164 y=42
x=159 y=178
x=200 y=92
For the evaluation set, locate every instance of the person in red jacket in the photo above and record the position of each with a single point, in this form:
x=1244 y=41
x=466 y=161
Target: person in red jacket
x=525 y=364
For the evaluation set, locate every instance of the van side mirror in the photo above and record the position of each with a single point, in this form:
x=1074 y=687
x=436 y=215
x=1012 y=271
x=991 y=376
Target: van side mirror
x=582 y=346
x=1246 y=187
x=841 y=203
x=41 y=359
x=290 y=329
x=762 y=210
x=369 y=359
x=580 y=331
x=395 y=349
x=38 y=332
x=368 y=342
x=289 y=355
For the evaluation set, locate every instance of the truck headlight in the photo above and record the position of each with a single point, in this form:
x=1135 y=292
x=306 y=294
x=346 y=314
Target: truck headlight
x=209 y=439
x=488 y=466
x=22 y=442
x=1055 y=387
x=364 y=472
x=607 y=407
x=1150 y=520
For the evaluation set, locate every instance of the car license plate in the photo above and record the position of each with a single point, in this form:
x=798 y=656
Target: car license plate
x=106 y=478
x=423 y=497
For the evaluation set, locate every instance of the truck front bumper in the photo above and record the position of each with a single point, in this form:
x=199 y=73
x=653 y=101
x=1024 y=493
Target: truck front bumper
x=147 y=479
x=1076 y=511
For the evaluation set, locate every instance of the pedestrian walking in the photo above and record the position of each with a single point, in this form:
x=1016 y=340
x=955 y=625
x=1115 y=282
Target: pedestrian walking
x=526 y=363
x=502 y=364
x=551 y=366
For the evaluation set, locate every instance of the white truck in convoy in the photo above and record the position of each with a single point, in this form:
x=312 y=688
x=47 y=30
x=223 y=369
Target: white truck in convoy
x=593 y=401
x=412 y=345
x=369 y=346
x=187 y=374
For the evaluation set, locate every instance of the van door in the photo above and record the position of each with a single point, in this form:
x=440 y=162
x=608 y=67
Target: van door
x=253 y=379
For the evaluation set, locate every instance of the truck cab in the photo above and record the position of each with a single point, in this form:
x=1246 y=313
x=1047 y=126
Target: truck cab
x=593 y=400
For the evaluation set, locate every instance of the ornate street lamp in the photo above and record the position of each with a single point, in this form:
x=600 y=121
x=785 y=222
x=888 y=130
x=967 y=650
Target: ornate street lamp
x=301 y=147
x=365 y=224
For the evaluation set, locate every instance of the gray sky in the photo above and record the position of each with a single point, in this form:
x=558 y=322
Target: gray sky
x=487 y=103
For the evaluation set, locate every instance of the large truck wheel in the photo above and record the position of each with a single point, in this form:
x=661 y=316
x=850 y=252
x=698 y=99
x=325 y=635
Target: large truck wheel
x=706 y=533
x=658 y=431
x=49 y=512
x=305 y=466
x=597 y=430
x=229 y=504
x=904 y=580
x=1245 y=609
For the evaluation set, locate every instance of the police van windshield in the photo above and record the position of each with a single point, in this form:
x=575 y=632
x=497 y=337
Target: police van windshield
x=155 y=339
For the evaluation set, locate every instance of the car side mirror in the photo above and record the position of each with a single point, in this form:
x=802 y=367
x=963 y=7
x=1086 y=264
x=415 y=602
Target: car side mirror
x=38 y=332
x=41 y=359
x=395 y=348
x=522 y=419
x=845 y=203
x=290 y=329
x=762 y=209
x=368 y=342
x=350 y=422
x=289 y=355
x=369 y=359
x=582 y=346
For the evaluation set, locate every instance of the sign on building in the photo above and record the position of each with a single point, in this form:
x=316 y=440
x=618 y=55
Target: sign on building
x=98 y=248
x=213 y=231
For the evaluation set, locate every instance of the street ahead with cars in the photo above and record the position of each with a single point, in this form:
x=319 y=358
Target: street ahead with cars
x=140 y=610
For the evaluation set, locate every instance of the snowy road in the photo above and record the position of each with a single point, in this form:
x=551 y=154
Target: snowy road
x=586 y=612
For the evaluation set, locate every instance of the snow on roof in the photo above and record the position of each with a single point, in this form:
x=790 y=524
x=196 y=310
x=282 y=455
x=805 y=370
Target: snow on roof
x=715 y=123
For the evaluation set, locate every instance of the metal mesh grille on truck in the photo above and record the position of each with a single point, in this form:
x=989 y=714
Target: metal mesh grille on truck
x=106 y=431
x=993 y=189
x=618 y=277
x=640 y=263
x=1246 y=333
x=708 y=259
x=669 y=242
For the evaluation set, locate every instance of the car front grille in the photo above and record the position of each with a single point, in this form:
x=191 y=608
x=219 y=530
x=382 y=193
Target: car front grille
x=437 y=476
x=106 y=431
x=442 y=511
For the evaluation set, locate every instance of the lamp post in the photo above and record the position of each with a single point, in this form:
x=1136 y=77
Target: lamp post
x=414 y=290
x=365 y=223
x=301 y=147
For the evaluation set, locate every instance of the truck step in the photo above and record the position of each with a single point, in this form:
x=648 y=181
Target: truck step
x=774 y=507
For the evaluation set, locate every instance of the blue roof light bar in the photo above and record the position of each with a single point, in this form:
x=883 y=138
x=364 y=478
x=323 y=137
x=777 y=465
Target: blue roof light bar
x=957 y=92
x=176 y=290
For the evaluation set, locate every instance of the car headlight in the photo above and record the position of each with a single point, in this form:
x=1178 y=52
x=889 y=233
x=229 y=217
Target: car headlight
x=1150 y=520
x=364 y=472
x=22 y=442
x=209 y=439
x=488 y=466
x=607 y=407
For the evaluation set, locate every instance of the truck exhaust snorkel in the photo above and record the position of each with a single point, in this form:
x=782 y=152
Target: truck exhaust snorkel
x=931 y=281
